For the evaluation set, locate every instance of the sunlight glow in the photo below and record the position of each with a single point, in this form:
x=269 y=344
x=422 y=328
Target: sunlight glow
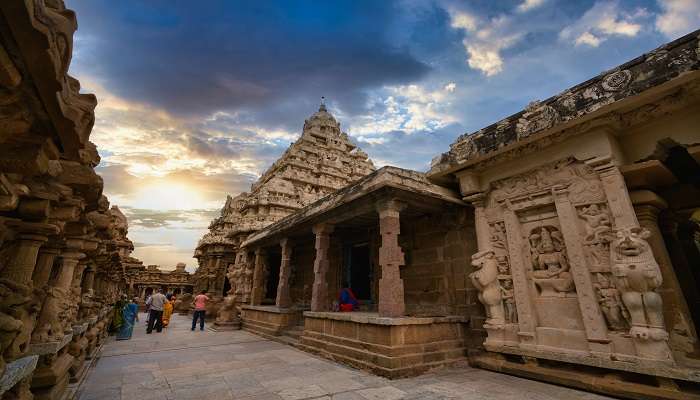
x=167 y=195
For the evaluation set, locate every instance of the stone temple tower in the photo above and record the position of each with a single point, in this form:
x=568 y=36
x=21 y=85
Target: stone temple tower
x=320 y=162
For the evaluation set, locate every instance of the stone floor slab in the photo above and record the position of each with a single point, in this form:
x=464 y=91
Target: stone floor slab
x=178 y=364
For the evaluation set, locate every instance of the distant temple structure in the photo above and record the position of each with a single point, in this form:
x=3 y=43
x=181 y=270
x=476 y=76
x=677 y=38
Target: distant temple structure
x=319 y=163
x=151 y=278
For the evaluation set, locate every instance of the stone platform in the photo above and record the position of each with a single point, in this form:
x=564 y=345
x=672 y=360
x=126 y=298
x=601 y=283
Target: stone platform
x=390 y=347
x=269 y=320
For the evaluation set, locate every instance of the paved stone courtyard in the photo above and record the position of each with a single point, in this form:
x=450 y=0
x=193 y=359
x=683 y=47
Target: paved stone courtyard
x=180 y=364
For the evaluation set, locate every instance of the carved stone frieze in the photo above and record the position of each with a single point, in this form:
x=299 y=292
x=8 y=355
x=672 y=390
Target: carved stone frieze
x=556 y=264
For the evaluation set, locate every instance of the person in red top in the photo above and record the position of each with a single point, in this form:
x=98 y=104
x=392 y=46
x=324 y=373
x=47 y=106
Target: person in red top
x=200 y=305
x=346 y=299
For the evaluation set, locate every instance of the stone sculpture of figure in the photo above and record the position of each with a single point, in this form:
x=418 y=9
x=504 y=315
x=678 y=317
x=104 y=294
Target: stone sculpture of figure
x=637 y=276
x=551 y=269
x=247 y=281
x=509 y=301
x=183 y=303
x=227 y=312
x=498 y=235
x=610 y=302
x=597 y=223
x=485 y=280
x=50 y=325
x=503 y=266
x=21 y=304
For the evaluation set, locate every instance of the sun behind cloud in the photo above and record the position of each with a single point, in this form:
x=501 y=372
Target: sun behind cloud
x=168 y=195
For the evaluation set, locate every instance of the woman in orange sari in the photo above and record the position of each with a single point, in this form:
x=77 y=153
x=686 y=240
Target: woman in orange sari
x=167 y=310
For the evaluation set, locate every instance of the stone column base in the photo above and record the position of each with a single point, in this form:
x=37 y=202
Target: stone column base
x=225 y=326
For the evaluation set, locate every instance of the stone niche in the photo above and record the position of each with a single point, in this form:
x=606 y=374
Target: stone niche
x=565 y=271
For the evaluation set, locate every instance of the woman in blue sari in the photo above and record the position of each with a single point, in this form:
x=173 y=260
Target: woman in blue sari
x=130 y=314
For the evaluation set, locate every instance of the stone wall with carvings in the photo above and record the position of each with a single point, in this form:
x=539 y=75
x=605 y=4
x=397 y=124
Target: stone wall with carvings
x=320 y=162
x=64 y=253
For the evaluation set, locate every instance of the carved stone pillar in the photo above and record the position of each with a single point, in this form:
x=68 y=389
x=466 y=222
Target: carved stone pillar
x=391 y=258
x=257 y=294
x=527 y=318
x=593 y=319
x=482 y=225
x=647 y=206
x=283 y=298
x=44 y=265
x=19 y=268
x=319 y=293
x=88 y=284
x=616 y=193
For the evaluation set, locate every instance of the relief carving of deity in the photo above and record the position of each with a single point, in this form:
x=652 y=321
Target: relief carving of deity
x=511 y=313
x=498 y=235
x=610 y=303
x=550 y=266
x=597 y=236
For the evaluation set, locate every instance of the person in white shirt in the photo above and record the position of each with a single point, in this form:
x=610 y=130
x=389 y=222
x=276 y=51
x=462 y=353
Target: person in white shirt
x=155 y=316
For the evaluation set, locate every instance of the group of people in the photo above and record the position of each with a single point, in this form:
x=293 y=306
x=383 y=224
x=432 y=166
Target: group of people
x=159 y=309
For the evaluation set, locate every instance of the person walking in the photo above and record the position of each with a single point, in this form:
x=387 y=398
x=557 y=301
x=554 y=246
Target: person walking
x=200 y=305
x=130 y=314
x=155 y=316
x=148 y=307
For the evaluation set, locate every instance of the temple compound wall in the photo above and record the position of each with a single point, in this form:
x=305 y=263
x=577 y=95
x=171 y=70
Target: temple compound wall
x=558 y=244
x=64 y=253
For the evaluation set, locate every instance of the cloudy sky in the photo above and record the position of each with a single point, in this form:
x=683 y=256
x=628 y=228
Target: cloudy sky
x=196 y=99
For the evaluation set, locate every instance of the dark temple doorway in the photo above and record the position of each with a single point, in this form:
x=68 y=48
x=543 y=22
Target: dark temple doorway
x=273 y=276
x=359 y=273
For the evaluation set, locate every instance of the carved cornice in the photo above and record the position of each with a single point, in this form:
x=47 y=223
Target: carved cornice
x=552 y=120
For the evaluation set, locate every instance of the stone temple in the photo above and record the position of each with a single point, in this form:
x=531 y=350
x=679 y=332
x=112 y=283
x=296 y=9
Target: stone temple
x=560 y=244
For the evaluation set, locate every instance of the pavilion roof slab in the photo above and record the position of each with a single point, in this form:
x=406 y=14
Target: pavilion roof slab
x=359 y=200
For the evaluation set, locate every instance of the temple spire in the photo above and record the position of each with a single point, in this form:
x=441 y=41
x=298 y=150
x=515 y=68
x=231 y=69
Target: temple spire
x=322 y=107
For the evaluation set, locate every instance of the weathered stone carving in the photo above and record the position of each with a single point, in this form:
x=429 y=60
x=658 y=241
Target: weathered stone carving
x=511 y=312
x=637 y=276
x=610 y=302
x=537 y=117
x=617 y=80
x=551 y=268
x=485 y=279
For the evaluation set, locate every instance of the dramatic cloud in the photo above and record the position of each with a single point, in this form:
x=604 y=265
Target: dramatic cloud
x=528 y=5
x=195 y=102
x=679 y=17
x=406 y=108
x=239 y=54
x=485 y=39
x=603 y=20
